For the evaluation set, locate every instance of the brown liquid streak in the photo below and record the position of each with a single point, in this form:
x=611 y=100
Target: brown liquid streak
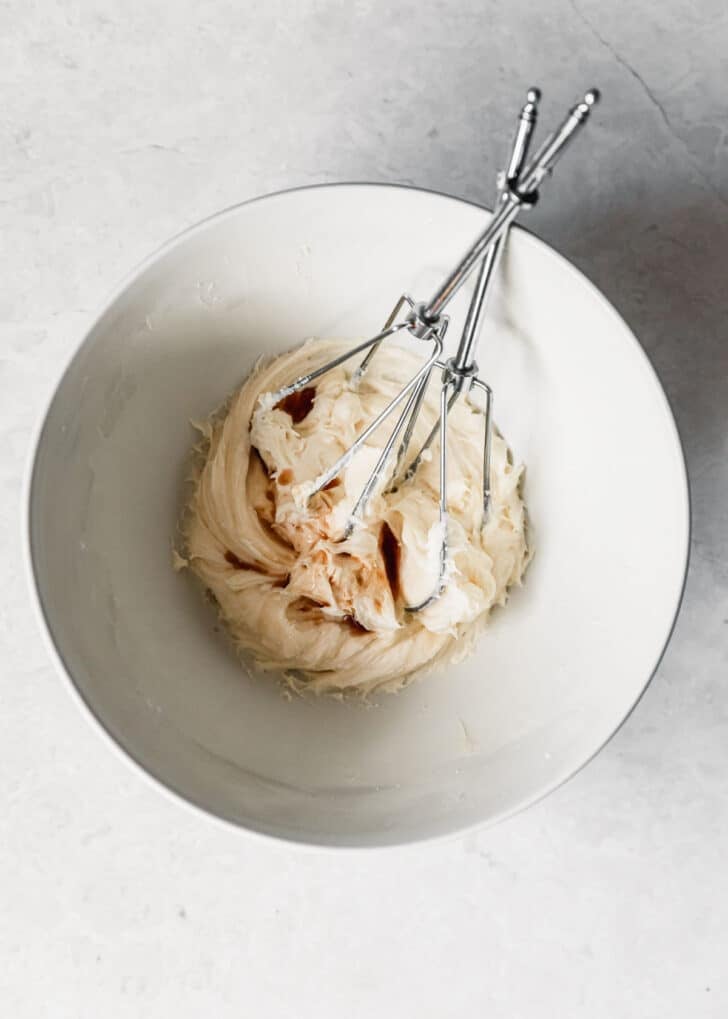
x=240 y=564
x=391 y=553
x=354 y=625
x=298 y=405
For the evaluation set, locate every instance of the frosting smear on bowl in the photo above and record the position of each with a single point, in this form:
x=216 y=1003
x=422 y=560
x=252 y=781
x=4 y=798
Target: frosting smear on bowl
x=331 y=613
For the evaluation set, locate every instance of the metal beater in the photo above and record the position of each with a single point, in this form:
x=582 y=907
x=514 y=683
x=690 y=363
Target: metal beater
x=425 y=321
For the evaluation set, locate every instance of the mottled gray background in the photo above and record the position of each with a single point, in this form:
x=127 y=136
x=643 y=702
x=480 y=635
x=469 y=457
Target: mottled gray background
x=122 y=122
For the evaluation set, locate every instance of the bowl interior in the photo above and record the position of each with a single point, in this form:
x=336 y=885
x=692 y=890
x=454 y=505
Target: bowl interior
x=555 y=673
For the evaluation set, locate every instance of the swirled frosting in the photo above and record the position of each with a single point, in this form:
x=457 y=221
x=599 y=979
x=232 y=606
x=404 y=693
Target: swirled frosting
x=331 y=613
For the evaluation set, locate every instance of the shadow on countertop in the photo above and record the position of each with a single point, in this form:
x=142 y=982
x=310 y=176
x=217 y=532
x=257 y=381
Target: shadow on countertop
x=667 y=274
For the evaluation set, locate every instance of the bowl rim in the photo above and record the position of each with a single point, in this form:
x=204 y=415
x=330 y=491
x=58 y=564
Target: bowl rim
x=263 y=833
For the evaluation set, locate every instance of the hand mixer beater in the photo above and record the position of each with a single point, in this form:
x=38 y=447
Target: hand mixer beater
x=518 y=188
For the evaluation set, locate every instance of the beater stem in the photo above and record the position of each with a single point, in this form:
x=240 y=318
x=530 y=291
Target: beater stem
x=462 y=367
x=526 y=194
x=519 y=150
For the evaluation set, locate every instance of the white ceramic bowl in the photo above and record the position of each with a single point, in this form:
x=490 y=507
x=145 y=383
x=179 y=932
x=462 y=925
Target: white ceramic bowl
x=556 y=672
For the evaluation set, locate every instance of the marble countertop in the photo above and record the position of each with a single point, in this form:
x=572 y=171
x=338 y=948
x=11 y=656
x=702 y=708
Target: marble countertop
x=121 y=125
